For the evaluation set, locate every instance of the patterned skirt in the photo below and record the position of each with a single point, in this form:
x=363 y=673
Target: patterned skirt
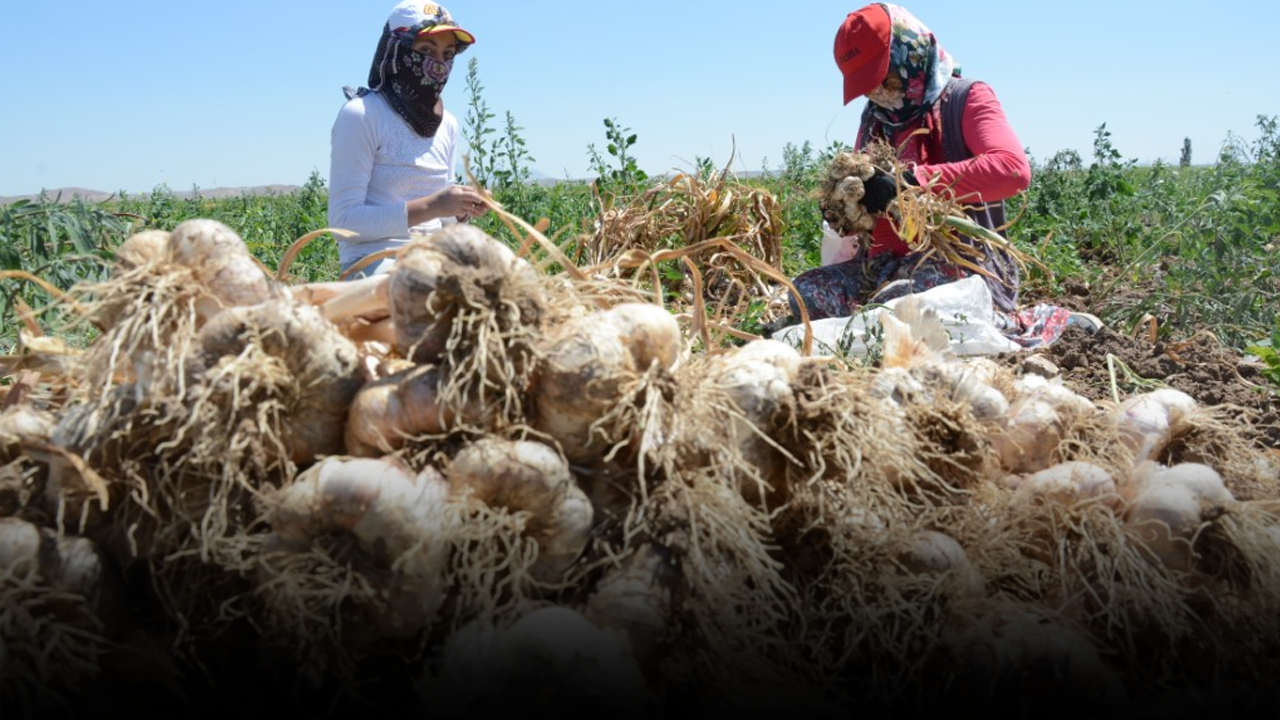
x=839 y=290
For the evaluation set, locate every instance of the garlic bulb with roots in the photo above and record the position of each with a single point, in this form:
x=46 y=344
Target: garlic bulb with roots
x=1030 y=437
x=756 y=374
x=397 y=518
x=1053 y=391
x=1202 y=480
x=222 y=262
x=1068 y=482
x=456 y=270
x=148 y=247
x=531 y=478
x=585 y=367
x=936 y=553
x=323 y=368
x=68 y=564
x=1170 y=504
x=1038 y=417
x=60 y=604
x=754 y=383
x=637 y=597
x=389 y=412
x=201 y=261
x=1145 y=422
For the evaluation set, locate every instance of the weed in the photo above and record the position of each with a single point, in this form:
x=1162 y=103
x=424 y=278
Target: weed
x=622 y=176
x=481 y=161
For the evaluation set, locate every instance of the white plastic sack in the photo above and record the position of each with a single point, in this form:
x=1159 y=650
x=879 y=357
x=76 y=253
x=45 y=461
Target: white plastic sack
x=965 y=308
x=836 y=249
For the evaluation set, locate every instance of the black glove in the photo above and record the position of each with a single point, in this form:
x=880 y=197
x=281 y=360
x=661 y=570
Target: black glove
x=880 y=189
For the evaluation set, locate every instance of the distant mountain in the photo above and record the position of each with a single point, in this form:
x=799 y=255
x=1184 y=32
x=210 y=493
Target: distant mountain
x=94 y=196
x=68 y=194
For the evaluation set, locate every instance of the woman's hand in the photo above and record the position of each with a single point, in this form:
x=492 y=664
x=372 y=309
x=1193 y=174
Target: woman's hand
x=882 y=188
x=459 y=201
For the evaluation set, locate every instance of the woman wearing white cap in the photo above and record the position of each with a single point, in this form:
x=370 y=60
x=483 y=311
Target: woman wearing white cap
x=393 y=146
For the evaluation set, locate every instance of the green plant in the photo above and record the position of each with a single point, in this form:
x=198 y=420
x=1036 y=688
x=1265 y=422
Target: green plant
x=567 y=206
x=1267 y=350
x=798 y=164
x=801 y=223
x=705 y=169
x=62 y=243
x=511 y=149
x=481 y=160
x=622 y=176
x=1193 y=246
x=1106 y=178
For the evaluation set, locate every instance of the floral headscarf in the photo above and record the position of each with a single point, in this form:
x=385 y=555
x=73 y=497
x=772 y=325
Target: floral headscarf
x=919 y=70
x=410 y=81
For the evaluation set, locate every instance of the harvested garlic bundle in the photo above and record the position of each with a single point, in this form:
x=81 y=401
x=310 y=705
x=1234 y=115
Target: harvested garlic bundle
x=202 y=265
x=840 y=197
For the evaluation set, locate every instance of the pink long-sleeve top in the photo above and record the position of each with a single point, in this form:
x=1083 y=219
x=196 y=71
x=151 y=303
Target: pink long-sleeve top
x=998 y=170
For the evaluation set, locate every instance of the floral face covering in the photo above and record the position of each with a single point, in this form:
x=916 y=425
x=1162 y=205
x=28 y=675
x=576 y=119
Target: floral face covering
x=409 y=80
x=919 y=70
x=433 y=71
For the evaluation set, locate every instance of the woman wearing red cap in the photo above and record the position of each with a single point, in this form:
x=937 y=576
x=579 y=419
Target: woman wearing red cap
x=394 y=145
x=967 y=147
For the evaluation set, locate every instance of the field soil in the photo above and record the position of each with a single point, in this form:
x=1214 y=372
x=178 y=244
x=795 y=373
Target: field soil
x=1112 y=361
x=1106 y=363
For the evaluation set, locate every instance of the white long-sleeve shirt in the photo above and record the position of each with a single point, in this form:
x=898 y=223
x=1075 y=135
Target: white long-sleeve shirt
x=377 y=163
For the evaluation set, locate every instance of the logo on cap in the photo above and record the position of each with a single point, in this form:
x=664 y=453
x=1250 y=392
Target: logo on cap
x=855 y=52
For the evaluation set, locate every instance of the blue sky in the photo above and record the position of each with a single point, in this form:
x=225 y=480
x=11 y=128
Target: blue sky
x=134 y=94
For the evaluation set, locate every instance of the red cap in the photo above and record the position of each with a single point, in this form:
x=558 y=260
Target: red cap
x=862 y=50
